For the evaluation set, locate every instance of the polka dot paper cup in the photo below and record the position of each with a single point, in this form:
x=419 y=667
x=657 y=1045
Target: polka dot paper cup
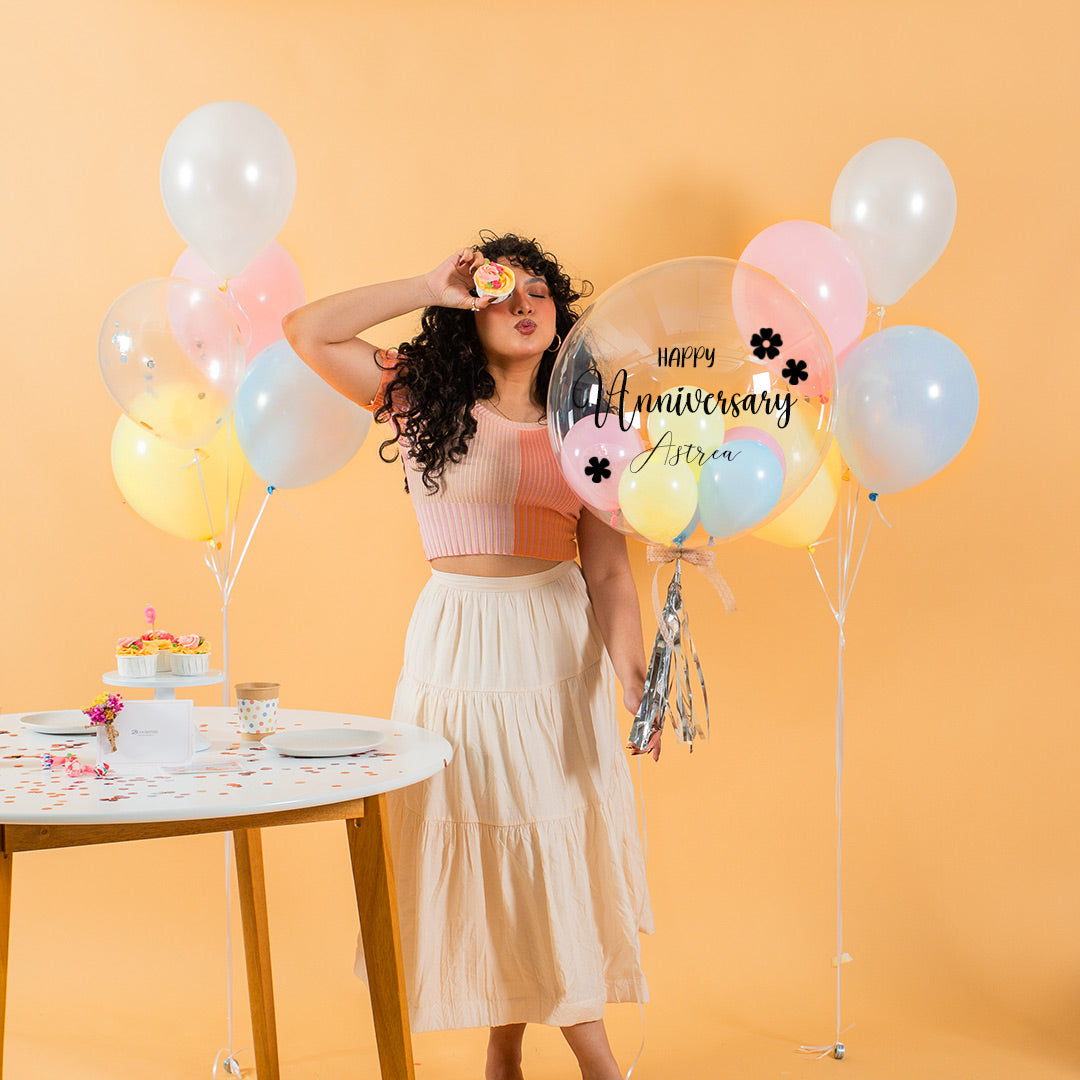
x=256 y=709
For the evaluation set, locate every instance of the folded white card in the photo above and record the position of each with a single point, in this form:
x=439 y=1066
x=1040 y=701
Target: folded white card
x=150 y=733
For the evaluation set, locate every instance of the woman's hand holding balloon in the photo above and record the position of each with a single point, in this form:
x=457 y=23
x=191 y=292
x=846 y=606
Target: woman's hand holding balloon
x=651 y=747
x=632 y=701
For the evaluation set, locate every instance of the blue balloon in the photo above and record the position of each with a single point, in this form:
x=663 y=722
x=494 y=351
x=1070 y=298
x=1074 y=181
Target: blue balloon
x=739 y=487
x=907 y=402
x=294 y=428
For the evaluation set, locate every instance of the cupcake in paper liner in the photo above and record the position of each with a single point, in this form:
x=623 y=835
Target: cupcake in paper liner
x=494 y=280
x=165 y=643
x=136 y=658
x=191 y=655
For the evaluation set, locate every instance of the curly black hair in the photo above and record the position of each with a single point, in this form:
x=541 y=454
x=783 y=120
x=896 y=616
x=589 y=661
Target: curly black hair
x=442 y=373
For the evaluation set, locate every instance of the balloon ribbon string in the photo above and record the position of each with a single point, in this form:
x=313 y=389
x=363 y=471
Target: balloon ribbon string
x=227 y=552
x=239 y=497
x=221 y=577
x=247 y=543
x=211 y=561
x=230 y=525
x=226 y=287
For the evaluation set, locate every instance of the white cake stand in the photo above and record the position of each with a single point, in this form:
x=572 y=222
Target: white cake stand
x=165 y=684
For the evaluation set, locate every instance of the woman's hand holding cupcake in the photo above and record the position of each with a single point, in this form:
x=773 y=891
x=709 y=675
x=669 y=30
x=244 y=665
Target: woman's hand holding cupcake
x=451 y=282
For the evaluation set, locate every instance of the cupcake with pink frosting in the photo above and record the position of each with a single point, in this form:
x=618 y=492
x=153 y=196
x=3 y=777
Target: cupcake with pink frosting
x=136 y=658
x=494 y=280
x=191 y=655
x=165 y=643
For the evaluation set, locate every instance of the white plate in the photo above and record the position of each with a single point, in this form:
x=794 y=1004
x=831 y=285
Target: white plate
x=324 y=742
x=58 y=722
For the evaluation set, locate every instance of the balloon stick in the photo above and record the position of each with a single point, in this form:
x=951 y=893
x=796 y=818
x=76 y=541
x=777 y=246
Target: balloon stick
x=846 y=573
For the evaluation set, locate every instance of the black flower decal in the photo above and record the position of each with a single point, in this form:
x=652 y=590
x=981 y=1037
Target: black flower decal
x=795 y=372
x=766 y=343
x=598 y=469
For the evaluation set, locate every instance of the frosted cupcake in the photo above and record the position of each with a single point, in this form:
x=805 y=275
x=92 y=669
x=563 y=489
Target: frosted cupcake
x=494 y=280
x=136 y=658
x=165 y=643
x=191 y=655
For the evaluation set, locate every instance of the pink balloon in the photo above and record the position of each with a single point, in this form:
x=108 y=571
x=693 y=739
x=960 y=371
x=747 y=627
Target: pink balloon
x=821 y=269
x=259 y=297
x=593 y=458
x=782 y=338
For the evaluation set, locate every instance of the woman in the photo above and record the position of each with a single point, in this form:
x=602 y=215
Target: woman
x=520 y=876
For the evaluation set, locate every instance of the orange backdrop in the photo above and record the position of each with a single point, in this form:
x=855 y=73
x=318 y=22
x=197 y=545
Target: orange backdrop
x=621 y=135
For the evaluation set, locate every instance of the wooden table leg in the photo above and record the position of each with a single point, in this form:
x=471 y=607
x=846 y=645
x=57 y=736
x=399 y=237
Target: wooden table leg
x=6 y=859
x=252 y=886
x=376 y=901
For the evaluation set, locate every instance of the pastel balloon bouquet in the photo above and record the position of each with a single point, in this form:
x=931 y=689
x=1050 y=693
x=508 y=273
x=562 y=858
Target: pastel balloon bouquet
x=208 y=387
x=906 y=396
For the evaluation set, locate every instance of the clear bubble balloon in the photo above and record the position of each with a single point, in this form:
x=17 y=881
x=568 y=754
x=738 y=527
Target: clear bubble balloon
x=676 y=359
x=171 y=357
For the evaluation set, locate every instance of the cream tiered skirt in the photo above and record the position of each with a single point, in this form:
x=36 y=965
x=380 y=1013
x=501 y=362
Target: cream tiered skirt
x=521 y=883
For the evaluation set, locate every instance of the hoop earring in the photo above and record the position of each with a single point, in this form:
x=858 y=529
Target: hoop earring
x=555 y=345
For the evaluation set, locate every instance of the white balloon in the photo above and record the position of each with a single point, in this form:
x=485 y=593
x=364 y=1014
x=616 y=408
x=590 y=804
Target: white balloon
x=228 y=180
x=895 y=204
x=294 y=428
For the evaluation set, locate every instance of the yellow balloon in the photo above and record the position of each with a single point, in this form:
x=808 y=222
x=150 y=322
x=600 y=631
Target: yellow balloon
x=658 y=500
x=190 y=414
x=690 y=426
x=805 y=519
x=160 y=481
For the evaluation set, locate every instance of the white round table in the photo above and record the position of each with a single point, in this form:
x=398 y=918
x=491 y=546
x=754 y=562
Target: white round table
x=239 y=787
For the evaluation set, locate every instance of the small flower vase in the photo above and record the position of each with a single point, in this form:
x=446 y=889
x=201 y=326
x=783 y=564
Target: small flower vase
x=107 y=731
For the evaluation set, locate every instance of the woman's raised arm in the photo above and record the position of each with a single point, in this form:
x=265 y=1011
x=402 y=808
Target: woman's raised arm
x=324 y=333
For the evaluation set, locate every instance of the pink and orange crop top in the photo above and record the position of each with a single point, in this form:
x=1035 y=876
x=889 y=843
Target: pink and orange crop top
x=507 y=496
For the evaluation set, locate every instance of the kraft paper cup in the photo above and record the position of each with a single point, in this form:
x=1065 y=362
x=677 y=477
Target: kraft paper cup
x=256 y=709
